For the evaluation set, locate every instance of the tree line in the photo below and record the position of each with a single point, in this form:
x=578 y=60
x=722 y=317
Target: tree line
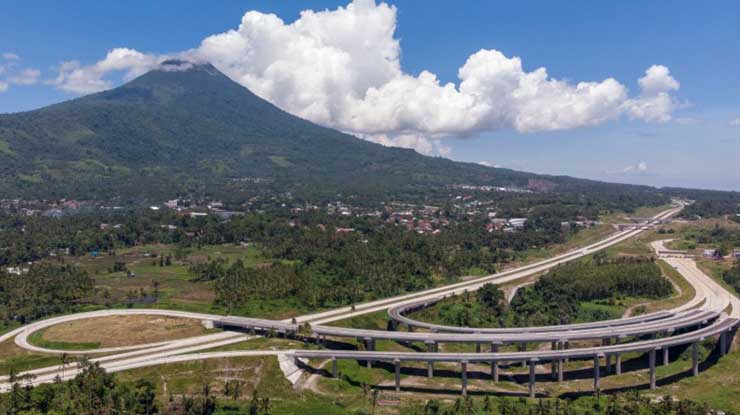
x=556 y=297
x=44 y=290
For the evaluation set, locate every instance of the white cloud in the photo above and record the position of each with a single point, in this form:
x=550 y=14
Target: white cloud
x=25 y=77
x=76 y=78
x=10 y=56
x=341 y=68
x=655 y=104
x=632 y=169
x=657 y=80
x=3 y=86
x=735 y=122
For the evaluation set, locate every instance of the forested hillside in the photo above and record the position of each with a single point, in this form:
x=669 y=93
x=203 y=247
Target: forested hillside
x=177 y=132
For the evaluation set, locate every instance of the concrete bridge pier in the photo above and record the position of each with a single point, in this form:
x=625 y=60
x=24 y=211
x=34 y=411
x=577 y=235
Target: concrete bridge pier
x=723 y=343
x=494 y=363
x=477 y=347
x=523 y=348
x=370 y=346
x=695 y=358
x=334 y=372
x=652 y=368
x=431 y=348
x=560 y=362
x=398 y=374
x=553 y=363
x=666 y=356
x=607 y=358
x=464 y=373
x=618 y=364
x=532 y=364
x=597 y=373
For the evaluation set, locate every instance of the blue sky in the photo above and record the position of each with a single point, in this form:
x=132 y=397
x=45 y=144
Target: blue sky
x=690 y=141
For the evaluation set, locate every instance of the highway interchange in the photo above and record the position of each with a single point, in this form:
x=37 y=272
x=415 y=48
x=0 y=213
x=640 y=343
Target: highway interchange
x=712 y=312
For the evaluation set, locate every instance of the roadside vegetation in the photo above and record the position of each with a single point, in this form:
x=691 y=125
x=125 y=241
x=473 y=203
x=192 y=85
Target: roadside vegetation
x=593 y=289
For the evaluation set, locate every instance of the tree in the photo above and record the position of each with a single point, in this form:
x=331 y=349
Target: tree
x=145 y=398
x=63 y=362
x=233 y=388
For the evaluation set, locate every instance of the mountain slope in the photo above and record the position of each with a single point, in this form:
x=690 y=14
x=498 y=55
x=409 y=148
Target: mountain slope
x=178 y=130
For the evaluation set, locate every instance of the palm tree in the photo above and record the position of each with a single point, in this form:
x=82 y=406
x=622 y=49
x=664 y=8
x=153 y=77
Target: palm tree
x=63 y=362
x=374 y=400
x=265 y=405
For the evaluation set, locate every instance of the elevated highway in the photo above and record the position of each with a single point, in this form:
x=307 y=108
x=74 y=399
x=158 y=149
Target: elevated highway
x=712 y=312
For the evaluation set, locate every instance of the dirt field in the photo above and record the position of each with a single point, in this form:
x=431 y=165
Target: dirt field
x=123 y=330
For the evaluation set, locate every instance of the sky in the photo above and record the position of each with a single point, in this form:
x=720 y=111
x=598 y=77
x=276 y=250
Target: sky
x=636 y=92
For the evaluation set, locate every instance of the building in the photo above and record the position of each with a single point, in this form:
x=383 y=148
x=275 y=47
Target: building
x=517 y=222
x=710 y=253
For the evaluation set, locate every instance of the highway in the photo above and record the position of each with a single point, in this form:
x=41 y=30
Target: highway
x=705 y=315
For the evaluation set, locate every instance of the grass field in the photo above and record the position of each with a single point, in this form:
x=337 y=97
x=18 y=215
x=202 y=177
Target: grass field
x=116 y=331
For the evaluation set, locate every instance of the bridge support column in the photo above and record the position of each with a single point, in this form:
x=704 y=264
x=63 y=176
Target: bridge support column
x=477 y=347
x=608 y=358
x=652 y=369
x=553 y=364
x=561 y=363
x=334 y=367
x=398 y=374
x=695 y=358
x=560 y=370
x=410 y=328
x=566 y=347
x=618 y=364
x=532 y=364
x=464 y=373
x=431 y=346
x=494 y=363
x=597 y=374
x=723 y=343
x=523 y=348
x=666 y=356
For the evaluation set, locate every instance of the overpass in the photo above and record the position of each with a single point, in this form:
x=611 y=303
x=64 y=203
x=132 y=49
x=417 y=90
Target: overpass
x=712 y=312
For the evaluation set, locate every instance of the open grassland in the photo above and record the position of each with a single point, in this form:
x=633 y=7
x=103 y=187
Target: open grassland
x=116 y=331
x=257 y=375
x=13 y=357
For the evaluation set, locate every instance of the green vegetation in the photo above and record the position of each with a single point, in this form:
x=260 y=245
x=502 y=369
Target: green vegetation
x=586 y=290
x=44 y=290
x=37 y=339
x=169 y=133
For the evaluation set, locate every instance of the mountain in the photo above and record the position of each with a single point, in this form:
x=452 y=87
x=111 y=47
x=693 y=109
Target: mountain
x=189 y=128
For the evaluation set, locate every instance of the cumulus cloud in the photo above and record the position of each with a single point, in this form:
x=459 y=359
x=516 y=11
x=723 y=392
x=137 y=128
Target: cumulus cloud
x=74 y=77
x=3 y=86
x=655 y=104
x=25 y=77
x=10 y=56
x=735 y=122
x=342 y=68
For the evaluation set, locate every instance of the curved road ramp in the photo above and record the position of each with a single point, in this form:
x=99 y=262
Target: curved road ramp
x=713 y=312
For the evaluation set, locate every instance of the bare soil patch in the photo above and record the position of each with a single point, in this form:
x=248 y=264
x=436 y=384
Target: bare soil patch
x=115 y=331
